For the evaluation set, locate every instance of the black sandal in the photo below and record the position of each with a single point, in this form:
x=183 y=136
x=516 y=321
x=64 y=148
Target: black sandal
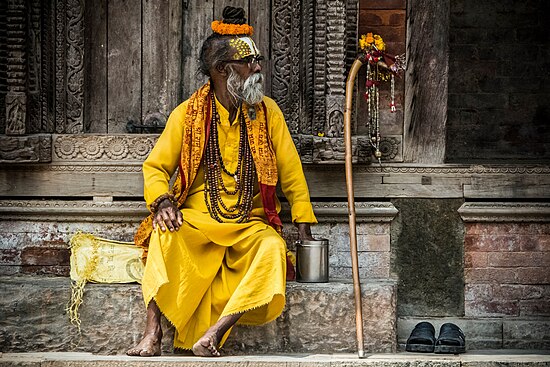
x=422 y=338
x=451 y=340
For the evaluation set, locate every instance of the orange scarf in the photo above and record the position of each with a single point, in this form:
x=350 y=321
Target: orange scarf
x=195 y=133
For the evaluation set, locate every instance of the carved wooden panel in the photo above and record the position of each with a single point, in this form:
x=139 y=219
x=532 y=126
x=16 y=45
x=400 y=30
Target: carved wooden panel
x=25 y=149
x=16 y=98
x=69 y=61
x=3 y=63
x=47 y=67
x=34 y=35
x=102 y=148
x=312 y=43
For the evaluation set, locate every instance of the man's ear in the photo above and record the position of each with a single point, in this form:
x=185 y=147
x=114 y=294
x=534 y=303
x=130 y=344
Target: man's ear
x=220 y=68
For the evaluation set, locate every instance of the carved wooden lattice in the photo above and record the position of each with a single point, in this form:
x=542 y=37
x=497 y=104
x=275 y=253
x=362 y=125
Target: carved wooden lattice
x=16 y=98
x=41 y=75
x=309 y=63
x=314 y=43
x=3 y=63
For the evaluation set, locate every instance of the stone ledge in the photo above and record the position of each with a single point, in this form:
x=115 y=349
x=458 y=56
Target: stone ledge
x=34 y=234
x=486 y=359
x=505 y=212
x=318 y=318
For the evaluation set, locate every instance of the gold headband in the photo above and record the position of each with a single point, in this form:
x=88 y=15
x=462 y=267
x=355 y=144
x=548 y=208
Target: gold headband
x=245 y=47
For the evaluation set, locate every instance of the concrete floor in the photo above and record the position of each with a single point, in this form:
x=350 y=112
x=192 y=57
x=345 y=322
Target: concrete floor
x=489 y=358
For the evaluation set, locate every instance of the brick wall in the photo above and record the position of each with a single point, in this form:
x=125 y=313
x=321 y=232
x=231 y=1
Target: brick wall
x=507 y=269
x=499 y=85
x=388 y=19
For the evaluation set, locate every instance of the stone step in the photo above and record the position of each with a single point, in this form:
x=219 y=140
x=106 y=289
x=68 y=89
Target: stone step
x=487 y=333
x=485 y=359
x=318 y=318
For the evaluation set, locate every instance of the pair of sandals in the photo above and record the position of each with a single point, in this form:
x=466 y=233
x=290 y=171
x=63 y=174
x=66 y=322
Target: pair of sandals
x=451 y=339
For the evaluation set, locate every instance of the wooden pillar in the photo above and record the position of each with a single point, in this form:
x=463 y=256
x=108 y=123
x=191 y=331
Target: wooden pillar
x=427 y=81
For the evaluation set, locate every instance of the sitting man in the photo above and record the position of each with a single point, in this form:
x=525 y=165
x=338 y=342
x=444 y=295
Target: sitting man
x=222 y=259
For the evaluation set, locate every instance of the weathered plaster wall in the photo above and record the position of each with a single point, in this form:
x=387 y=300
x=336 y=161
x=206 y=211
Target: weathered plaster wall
x=427 y=247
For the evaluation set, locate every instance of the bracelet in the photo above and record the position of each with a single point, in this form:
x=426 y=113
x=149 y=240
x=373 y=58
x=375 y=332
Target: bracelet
x=155 y=204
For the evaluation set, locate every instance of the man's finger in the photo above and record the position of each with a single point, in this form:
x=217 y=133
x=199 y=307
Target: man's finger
x=167 y=220
x=180 y=217
x=160 y=221
x=173 y=219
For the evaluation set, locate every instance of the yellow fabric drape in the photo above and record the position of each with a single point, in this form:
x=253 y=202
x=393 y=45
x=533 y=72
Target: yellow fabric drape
x=208 y=270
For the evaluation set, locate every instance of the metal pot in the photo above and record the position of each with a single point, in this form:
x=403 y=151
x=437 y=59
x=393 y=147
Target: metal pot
x=312 y=261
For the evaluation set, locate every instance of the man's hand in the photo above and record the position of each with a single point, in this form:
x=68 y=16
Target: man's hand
x=167 y=216
x=304 y=231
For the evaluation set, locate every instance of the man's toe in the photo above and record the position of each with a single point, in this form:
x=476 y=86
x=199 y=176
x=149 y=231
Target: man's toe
x=146 y=353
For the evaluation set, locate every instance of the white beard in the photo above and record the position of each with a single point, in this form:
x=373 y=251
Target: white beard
x=250 y=91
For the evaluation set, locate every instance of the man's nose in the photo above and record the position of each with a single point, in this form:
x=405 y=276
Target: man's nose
x=256 y=67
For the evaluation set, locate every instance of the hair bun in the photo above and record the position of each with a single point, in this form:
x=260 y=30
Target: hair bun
x=232 y=15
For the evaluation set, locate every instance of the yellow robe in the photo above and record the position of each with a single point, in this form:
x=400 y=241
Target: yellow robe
x=207 y=269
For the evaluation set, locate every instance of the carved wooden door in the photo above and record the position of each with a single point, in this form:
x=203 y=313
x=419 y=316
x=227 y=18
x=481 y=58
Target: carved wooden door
x=141 y=58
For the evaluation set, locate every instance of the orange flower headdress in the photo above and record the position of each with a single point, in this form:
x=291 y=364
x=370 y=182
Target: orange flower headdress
x=233 y=23
x=219 y=27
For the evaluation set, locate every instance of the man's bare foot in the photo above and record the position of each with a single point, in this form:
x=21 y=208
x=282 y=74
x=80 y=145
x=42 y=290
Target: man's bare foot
x=148 y=346
x=207 y=346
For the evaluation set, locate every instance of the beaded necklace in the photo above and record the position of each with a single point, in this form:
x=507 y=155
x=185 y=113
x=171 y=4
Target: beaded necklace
x=243 y=175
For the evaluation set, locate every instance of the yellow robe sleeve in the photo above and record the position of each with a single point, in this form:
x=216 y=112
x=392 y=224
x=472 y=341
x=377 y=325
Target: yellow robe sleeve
x=289 y=166
x=163 y=160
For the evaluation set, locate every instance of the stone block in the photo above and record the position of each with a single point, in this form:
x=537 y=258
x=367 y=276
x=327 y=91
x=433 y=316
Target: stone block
x=34 y=255
x=534 y=334
x=475 y=259
x=373 y=264
x=473 y=292
x=534 y=307
x=515 y=259
x=487 y=275
x=374 y=243
x=318 y=318
x=533 y=275
x=485 y=100
x=507 y=228
x=491 y=308
x=496 y=242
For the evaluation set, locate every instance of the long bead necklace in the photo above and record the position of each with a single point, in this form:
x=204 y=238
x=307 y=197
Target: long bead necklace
x=214 y=168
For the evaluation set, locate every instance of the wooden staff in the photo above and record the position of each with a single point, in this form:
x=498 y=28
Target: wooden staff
x=351 y=208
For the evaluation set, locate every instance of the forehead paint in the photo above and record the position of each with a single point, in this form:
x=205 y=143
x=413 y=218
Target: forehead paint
x=245 y=47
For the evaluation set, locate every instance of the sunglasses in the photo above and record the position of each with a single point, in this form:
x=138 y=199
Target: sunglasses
x=251 y=60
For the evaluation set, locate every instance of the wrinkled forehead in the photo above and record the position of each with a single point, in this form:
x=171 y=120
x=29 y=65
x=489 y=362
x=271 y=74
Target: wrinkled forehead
x=244 y=47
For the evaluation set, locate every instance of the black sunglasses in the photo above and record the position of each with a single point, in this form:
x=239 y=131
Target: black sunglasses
x=251 y=60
